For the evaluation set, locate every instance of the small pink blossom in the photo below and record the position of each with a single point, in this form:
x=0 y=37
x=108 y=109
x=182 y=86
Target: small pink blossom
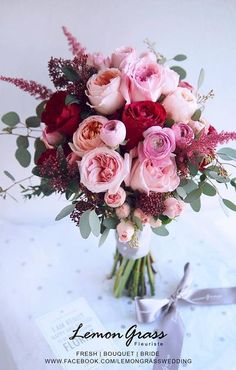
x=173 y=207
x=123 y=211
x=125 y=230
x=142 y=216
x=113 y=133
x=115 y=200
x=155 y=223
x=51 y=139
x=184 y=135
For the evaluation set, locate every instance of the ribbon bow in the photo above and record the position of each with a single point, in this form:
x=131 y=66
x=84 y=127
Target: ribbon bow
x=149 y=310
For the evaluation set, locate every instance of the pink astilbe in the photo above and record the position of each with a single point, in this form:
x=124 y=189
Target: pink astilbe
x=75 y=47
x=206 y=144
x=33 y=88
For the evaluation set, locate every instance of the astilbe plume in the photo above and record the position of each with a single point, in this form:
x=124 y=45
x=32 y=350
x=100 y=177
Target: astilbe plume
x=32 y=87
x=75 y=47
x=152 y=204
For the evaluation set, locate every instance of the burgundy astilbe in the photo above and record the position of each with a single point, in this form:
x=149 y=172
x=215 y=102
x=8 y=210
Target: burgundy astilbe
x=152 y=204
x=33 y=88
x=75 y=47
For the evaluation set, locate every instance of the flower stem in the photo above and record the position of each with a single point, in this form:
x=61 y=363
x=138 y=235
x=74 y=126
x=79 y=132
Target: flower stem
x=150 y=274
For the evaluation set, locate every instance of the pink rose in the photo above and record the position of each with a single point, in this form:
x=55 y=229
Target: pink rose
x=180 y=105
x=142 y=81
x=103 y=169
x=171 y=81
x=123 y=211
x=113 y=133
x=97 y=60
x=173 y=207
x=115 y=200
x=183 y=134
x=51 y=139
x=125 y=231
x=87 y=136
x=197 y=126
x=122 y=56
x=155 y=223
x=153 y=175
x=158 y=143
x=141 y=215
x=103 y=91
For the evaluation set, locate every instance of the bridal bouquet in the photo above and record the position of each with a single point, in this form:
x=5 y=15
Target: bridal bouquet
x=124 y=139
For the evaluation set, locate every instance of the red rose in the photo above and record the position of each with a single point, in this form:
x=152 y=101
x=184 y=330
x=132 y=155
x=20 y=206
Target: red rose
x=59 y=117
x=138 y=117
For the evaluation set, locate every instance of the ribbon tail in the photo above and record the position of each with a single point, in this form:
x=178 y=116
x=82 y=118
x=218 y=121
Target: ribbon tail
x=170 y=351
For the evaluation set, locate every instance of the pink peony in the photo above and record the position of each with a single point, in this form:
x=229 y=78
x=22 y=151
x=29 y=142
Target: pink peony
x=52 y=139
x=183 y=134
x=103 y=91
x=113 y=133
x=158 y=143
x=87 y=136
x=153 y=175
x=122 y=56
x=141 y=215
x=173 y=207
x=180 y=105
x=123 y=211
x=115 y=200
x=125 y=231
x=103 y=169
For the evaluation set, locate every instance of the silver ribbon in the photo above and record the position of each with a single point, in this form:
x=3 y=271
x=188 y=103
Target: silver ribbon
x=165 y=311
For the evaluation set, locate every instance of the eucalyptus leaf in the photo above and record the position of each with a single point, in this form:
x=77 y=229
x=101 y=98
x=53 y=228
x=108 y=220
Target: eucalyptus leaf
x=181 y=72
x=84 y=225
x=23 y=156
x=195 y=194
x=33 y=121
x=39 y=149
x=11 y=119
x=103 y=237
x=208 y=189
x=110 y=223
x=70 y=99
x=200 y=78
x=35 y=171
x=162 y=231
x=22 y=142
x=40 y=108
x=8 y=174
x=66 y=211
x=215 y=176
x=227 y=154
x=189 y=186
x=196 y=205
x=181 y=192
x=94 y=223
x=233 y=182
x=196 y=115
x=193 y=169
x=229 y=204
x=138 y=222
x=70 y=73
x=180 y=57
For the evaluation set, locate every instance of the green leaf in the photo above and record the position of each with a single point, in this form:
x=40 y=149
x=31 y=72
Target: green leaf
x=40 y=109
x=84 y=225
x=162 y=231
x=39 y=149
x=189 y=186
x=180 y=57
x=66 y=211
x=70 y=73
x=193 y=169
x=233 y=182
x=227 y=154
x=196 y=205
x=169 y=122
x=35 y=171
x=181 y=72
x=11 y=119
x=181 y=192
x=138 y=222
x=191 y=197
x=103 y=237
x=33 y=121
x=165 y=219
x=70 y=99
x=94 y=223
x=110 y=223
x=208 y=189
x=23 y=156
x=8 y=174
x=22 y=142
x=215 y=176
x=229 y=204
x=196 y=115
x=200 y=78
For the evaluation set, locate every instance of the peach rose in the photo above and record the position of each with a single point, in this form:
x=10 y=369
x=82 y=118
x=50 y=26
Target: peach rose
x=173 y=207
x=180 y=105
x=125 y=231
x=113 y=133
x=123 y=211
x=103 y=91
x=87 y=136
x=103 y=169
x=122 y=56
x=142 y=216
x=115 y=200
x=153 y=175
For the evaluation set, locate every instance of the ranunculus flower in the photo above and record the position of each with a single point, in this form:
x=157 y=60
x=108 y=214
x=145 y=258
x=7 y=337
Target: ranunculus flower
x=141 y=215
x=113 y=133
x=59 y=117
x=173 y=207
x=103 y=169
x=180 y=105
x=138 y=117
x=87 y=136
x=184 y=135
x=123 y=211
x=125 y=230
x=115 y=200
x=103 y=91
x=123 y=55
x=158 y=143
x=51 y=139
x=153 y=175
x=142 y=81
x=171 y=81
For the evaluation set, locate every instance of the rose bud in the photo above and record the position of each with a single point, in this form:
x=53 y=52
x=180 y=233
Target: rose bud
x=51 y=139
x=122 y=56
x=173 y=207
x=115 y=200
x=141 y=215
x=155 y=223
x=113 y=133
x=125 y=231
x=184 y=134
x=180 y=105
x=123 y=211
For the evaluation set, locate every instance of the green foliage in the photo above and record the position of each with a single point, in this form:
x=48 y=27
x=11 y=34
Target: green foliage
x=200 y=78
x=70 y=73
x=84 y=225
x=229 y=204
x=194 y=195
x=22 y=142
x=94 y=223
x=66 y=211
x=161 y=231
x=23 y=156
x=39 y=149
x=196 y=205
x=33 y=121
x=40 y=109
x=110 y=223
x=181 y=72
x=103 y=237
x=70 y=99
x=227 y=154
x=138 y=222
x=9 y=175
x=180 y=57
x=196 y=115
x=11 y=119
x=208 y=189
